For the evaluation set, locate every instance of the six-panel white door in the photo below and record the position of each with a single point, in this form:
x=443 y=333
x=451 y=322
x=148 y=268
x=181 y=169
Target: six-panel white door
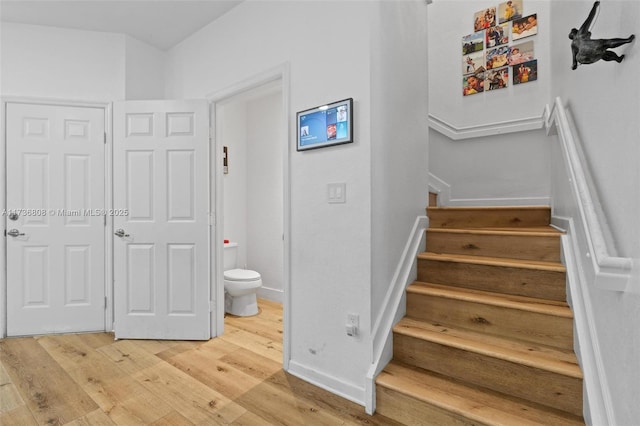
x=161 y=206
x=56 y=232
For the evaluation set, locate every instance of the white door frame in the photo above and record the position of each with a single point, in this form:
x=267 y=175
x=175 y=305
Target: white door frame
x=108 y=283
x=281 y=73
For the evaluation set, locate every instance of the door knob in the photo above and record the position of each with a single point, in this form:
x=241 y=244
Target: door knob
x=120 y=233
x=14 y=233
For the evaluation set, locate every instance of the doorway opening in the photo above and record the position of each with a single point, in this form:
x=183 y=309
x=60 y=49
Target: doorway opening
x=251 y=197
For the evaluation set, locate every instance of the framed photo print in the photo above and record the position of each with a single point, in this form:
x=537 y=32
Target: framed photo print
x=497 y=36
x=525 y=27
x=473 y=63
x=520 y=53
x=525 y=72
x=472 y=84
x=497 y=79
x=497 y=57
x=484 y=19
x=473 y=43
x=325 y=125
x=509 y=10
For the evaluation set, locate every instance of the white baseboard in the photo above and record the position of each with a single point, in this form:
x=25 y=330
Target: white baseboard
x=271 y=294
x=329 y=383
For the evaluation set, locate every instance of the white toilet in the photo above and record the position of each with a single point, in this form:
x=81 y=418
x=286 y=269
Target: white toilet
x=240 y=285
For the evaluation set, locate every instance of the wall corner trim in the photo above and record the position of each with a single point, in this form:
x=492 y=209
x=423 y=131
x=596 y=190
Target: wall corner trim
x=498 y=128
x=610 y=271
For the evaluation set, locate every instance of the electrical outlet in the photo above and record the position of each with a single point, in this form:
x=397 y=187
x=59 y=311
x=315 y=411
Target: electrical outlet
x=353 y=324
x=353 y=319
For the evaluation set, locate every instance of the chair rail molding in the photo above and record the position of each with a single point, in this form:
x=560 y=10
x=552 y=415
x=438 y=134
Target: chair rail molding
x=610 y=271
x=480 y=130
x=393 y=309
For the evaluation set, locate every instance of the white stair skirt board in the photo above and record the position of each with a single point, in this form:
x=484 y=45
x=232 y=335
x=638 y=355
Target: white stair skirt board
x=393 y=308
x=598 y=407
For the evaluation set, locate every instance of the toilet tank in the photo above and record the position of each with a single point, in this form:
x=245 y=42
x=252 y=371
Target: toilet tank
x=230 y=255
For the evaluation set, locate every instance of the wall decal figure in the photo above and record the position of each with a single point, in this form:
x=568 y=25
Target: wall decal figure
x=586 y=50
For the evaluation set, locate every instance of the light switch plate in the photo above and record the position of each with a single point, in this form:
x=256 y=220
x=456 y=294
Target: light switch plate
x=337 y=193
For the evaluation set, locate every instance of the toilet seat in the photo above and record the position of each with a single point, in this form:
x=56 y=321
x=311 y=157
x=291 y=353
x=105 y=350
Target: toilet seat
x=245 y=275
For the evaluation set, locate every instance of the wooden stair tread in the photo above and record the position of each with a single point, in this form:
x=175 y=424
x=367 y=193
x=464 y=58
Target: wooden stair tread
x=531 y=304
x=495 y=261
x=488 y=217
x=544 y=358
x=473 y=403
x=539 y=231
x=485 y=209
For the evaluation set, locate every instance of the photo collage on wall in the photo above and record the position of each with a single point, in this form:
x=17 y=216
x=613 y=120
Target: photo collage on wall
x=494 y=50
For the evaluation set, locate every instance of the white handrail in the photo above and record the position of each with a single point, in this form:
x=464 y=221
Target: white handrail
x=611 y=272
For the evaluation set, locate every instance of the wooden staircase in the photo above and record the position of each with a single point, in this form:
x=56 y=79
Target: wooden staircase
x=488 y=335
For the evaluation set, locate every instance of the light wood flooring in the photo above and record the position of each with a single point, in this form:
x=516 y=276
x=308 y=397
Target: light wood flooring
x=237 y=379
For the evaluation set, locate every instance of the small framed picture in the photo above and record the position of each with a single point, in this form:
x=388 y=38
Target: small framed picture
x=484 y=19
x=525 y=72
x=520 y=53
x=497 y=58
x=473 y=63
x=473 y=84
x=497 y=79
x=509 y=10
x=473 y=43
x=497 y=36
x=525 y=27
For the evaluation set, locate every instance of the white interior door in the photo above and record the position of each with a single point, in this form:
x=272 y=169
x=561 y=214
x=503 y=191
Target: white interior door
x=161 y=220
x=54 y=219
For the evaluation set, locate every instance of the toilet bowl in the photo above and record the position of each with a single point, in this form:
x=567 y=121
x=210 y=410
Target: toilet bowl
x=240 y=285
x=241 y=288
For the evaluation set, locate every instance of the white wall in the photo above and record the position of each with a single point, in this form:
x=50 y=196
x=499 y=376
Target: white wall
x=604 y=101
x=231 y=118
x=250 y=127
x=487 y=170
x=265 y=193
x=144 y=70
x=399 y=172
x=508 y=169
x=449 y=21
x=60 y=63
x=328 y=47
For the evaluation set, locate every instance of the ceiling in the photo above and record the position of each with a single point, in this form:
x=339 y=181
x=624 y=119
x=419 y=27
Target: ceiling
x=160 y=23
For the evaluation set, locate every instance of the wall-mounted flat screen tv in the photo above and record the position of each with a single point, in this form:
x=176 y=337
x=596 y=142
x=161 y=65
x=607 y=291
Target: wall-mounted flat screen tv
x=326 y=125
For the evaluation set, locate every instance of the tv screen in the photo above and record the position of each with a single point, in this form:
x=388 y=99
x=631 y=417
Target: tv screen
x=326 y=125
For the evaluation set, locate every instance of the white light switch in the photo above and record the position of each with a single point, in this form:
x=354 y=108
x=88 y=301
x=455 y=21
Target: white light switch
x=337 y=192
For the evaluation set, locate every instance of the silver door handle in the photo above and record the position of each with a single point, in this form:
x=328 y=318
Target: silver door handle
x=120 y=233
x=14 y=233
